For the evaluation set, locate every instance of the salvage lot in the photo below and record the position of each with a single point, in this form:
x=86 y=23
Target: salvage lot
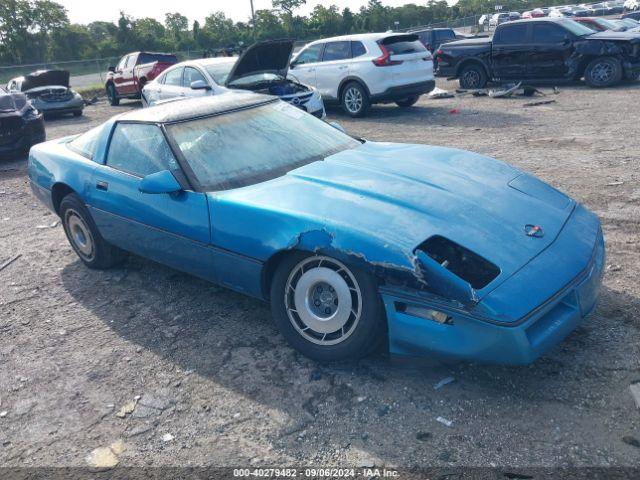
x=219 y=386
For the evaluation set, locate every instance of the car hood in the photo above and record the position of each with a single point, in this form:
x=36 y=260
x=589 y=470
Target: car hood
x=12 y=103
x=401 y=195
x=611 y=35
x=46 y=78
x=263 y=57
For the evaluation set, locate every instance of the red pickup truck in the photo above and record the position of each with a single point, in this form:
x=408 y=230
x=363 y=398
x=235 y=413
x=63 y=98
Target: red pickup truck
x=133 y=71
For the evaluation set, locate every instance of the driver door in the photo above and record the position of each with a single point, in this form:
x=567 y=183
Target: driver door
x=551 y=46
x=172 y=229
x=303 y=68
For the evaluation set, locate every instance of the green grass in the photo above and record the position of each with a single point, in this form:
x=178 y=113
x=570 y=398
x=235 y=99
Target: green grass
x=90 y=91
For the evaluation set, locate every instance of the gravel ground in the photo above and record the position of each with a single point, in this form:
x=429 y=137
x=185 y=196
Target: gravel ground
x=169 y=370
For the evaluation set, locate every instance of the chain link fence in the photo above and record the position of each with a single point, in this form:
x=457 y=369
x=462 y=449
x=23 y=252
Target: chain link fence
x=84 y=73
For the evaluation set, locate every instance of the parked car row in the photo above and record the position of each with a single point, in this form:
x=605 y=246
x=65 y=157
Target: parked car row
x=541 y=50
x=354 y=71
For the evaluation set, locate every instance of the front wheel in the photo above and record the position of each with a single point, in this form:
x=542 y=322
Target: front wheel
x=603 y=72
x=355 y=100
x=112 y=95
x=408 y=102
x=77 y=113
x=473 y=77
x=325 y=309
x=84 y=237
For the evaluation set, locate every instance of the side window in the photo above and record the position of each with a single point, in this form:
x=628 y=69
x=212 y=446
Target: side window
x=357 y=49
x=174 y=77
x=140 y=149
x=513 y=34
x=336 y=51
x=126 y=61
x=548 y=33
x=191 y=75
x=122 y=63
x=87 y=143
x=310 y=54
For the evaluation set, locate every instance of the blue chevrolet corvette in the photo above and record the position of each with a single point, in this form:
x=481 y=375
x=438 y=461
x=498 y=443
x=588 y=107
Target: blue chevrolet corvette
x=354 y=243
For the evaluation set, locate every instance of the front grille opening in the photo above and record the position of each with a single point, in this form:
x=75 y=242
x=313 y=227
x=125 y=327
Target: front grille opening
x=462 y=262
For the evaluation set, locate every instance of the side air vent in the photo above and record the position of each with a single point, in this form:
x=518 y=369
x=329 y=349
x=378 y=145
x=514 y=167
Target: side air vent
x=462 y=262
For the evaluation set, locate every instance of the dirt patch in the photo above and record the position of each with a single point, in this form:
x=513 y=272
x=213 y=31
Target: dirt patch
x=212 y=383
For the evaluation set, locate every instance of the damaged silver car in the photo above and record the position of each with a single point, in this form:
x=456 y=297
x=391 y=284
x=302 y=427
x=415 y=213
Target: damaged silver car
x=49 y=92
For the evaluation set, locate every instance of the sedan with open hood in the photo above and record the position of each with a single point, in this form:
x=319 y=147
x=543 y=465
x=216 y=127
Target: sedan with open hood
x=262 y=68
x=354 y=243
x=49 y=92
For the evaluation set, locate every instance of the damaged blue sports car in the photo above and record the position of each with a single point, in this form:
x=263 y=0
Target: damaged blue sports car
x=354 y=243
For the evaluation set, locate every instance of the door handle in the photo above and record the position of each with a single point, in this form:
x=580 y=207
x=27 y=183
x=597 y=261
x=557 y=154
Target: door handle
x=104 y=186
x=343 y=67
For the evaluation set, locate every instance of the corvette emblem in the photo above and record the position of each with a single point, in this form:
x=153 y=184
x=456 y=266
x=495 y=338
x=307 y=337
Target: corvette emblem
x=533 y=231
x=295 y=101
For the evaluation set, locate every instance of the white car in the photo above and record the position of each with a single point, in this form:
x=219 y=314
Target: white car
x=359 y=70
x=262 y=68
x=631 y=5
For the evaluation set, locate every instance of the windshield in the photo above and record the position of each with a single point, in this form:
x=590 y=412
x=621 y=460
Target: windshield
x=608 y=24
x=6 y=103
x=219 y=71
x=576 y=28
x=255 y=145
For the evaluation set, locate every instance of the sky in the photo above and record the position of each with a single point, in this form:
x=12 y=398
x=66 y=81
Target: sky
x=86 y=11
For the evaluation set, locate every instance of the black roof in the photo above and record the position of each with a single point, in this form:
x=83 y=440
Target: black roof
x=187 y=109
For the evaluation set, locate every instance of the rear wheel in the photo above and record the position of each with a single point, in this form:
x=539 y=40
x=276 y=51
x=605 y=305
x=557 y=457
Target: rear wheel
x=472 y=77
x=112 y=95
x=84 y=237
x=355 y=99
x=325 y=309
x=603 y=72
x=408 y=102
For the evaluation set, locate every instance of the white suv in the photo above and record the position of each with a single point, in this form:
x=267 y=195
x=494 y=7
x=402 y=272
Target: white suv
x=358 y=70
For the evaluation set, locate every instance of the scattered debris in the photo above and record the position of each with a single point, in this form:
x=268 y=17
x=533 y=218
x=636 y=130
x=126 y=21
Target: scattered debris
x=614 y=184
x=453 y=111
x=541 y=102
x=236 y=415
x=9 y=262
x=167 y=437
x=361 y=399
x=613 y=268
x=423 y=436
x=635 y=393
x=444 y=421
x=3 y=413
x=127 y=408
x=440 y=93
x=633 y=441
x=91 y=101
x=443 y=382
x=517 y=476
x=506 y=92
x=44 y=227
x=106 y=457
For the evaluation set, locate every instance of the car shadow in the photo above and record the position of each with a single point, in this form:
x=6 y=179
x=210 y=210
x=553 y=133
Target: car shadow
x=229 y=339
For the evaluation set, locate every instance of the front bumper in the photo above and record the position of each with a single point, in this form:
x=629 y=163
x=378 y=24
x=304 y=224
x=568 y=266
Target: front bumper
x=518 y=342
x=32 y=132
x=405 y=91
x=60 y=108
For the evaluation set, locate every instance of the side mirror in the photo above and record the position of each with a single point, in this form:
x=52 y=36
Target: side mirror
x=159 y=182
x=111 y=68
x=200 y=85
x=337 y=126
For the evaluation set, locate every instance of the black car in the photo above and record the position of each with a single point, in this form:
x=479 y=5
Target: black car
x=542 y=50
x=21 y=124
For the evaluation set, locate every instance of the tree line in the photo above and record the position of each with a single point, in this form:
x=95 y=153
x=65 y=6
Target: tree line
x=34 y=31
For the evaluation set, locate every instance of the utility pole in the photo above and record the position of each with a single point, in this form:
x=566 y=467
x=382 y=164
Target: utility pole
x=253 y=20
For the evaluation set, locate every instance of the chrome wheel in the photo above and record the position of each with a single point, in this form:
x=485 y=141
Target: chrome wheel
x=602 y=72
x=323 y=300
x=353 y=100
x=471 y=78
x=80 y=235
